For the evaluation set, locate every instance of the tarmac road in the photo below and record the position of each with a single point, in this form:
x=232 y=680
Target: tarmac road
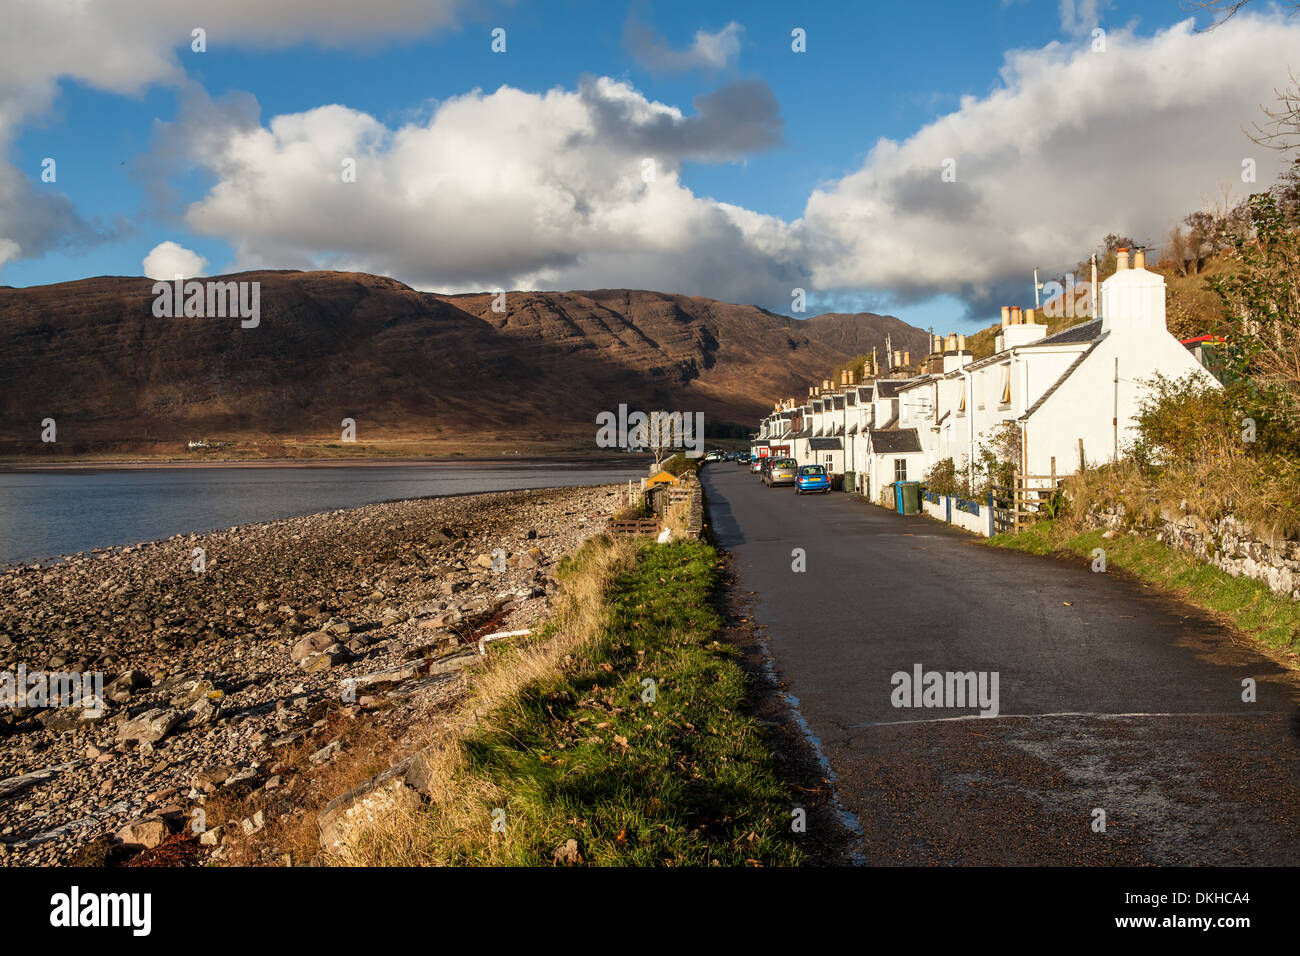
x=1109 y=697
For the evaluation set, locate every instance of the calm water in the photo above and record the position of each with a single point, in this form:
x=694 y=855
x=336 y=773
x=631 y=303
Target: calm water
x=46 y=514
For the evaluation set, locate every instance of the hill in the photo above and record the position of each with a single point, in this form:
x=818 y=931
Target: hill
x=406 y=365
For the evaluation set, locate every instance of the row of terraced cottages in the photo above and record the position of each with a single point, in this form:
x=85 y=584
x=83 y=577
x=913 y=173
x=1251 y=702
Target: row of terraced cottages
x=1071 y=397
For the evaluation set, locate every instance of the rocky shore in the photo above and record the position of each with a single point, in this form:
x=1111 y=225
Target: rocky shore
x=223 y=654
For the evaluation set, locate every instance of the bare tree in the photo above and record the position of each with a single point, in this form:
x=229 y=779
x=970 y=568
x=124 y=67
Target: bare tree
x=1281 y=129
x=1176 y=250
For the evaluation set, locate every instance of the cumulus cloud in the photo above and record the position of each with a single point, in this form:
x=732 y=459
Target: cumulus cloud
x=126 y=45
x=513 y=189
x=169 y=259
x=708 y=51
x=1071 y=146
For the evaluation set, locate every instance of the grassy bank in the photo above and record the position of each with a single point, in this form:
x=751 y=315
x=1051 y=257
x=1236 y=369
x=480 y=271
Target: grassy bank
x=621 y=728
x=1246 y=604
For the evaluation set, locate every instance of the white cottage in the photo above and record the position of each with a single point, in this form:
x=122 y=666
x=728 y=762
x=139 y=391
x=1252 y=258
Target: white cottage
x=1073 y=396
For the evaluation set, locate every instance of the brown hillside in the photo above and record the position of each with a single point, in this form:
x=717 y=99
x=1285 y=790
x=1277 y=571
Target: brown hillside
x=404 y=364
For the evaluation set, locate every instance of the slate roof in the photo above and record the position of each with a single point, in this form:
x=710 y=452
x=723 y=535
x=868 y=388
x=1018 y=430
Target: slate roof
x=1084 y=332
x=825 y=444
x=896 y=441
x=889 y=389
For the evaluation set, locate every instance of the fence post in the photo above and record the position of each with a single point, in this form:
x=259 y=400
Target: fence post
x=948 y=499
x=990 y=512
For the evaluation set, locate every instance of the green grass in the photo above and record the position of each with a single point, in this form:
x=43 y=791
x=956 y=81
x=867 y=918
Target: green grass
x=1247 y=604
x=685 y=780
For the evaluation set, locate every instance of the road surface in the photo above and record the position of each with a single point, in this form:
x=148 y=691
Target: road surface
x=1114 y=705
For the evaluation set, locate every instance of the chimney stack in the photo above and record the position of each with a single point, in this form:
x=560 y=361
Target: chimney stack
x=1139 y=259
x=1006 y=316
x=1121 y=258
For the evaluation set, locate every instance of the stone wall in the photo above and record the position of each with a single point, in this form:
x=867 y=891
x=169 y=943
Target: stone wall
x=1225 y=543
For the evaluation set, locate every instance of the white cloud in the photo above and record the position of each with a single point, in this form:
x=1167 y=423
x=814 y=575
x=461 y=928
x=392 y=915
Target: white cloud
x=123 y=46
x=708 y=51
x=510 y=188
x=1072 y=146
x=169 y=259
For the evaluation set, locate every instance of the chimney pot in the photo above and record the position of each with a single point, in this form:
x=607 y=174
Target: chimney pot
x=1029 y=316
x=1121 y=258
x=1139 y=259
x=961 y=343
x=1006 y=316
x=1015 y=315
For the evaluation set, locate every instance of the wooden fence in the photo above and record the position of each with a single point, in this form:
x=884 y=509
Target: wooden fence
x=1020 y=505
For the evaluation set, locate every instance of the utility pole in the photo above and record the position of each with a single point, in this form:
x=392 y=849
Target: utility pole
x=1038 y=287
x=1096 y=293
x=1115 y=420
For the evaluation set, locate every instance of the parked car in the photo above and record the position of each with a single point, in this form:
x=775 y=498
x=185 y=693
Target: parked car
x=782 y=471
x=742 y=459
x=756 y=466
x=812 y=478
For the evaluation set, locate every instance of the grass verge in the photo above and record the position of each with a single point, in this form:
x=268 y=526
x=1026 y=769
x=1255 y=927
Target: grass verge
x=623 y=728
x=1246 y=604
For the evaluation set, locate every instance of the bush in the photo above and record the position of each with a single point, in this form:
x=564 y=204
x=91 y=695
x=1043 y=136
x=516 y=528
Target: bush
x=942 y=478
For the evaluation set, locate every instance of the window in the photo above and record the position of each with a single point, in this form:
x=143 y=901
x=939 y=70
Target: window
x=981 y=391
x=900 y=469
x=1006 y=385
x=961 y=397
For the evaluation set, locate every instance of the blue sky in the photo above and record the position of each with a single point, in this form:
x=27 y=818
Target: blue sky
x=872 y=72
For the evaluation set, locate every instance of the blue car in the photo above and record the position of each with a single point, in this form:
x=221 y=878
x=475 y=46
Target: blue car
x=812 y=478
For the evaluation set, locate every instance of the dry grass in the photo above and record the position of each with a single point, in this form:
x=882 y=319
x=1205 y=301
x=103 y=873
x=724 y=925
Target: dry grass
x=1210 y=488
x=459 y=814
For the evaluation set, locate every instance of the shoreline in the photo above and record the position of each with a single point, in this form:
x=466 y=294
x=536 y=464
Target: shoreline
x=214 y=664
x=25 y=467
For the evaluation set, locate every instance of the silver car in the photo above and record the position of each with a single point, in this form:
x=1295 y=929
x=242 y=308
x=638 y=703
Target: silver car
x=783 y=471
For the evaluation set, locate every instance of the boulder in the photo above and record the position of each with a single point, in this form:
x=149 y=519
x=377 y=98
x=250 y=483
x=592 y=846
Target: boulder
x=312 y=643
x=147 y=832
x=125 y=684
x=151 y=726
x=332 y=656
x=525 y=560
x=398 y=787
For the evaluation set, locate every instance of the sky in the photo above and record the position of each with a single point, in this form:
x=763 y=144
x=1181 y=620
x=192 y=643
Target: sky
x=916 y=159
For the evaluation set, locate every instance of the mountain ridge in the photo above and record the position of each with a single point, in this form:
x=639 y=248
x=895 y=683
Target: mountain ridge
x=403 y=363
